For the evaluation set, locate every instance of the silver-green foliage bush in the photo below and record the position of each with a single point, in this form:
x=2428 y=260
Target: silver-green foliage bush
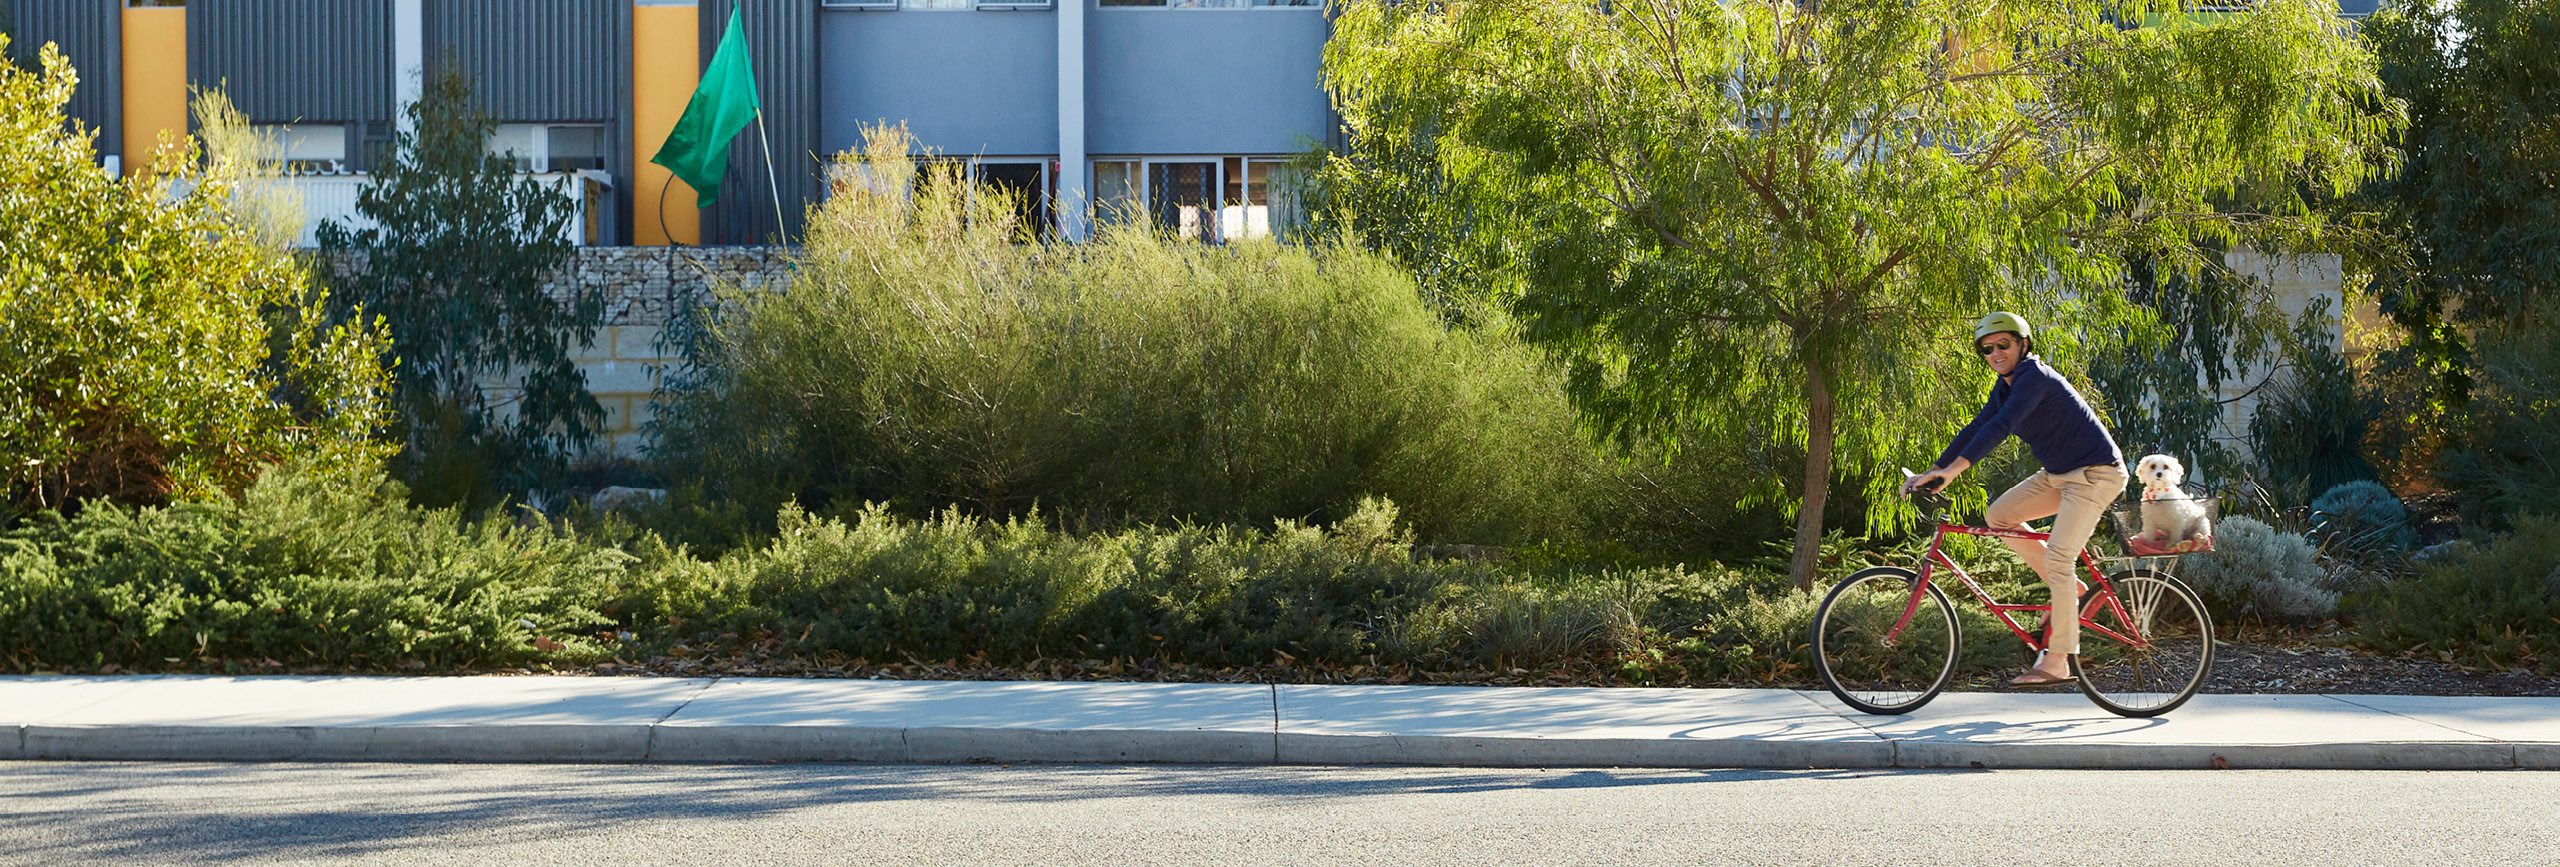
x=2361 y=516
x=923 y=358
x=2256 y=570
x=2495 y=601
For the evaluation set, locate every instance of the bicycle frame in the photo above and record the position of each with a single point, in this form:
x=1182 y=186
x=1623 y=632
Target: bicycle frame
x=2102 y=596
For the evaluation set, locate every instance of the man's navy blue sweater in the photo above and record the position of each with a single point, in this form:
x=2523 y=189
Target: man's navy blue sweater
x=2045 y=411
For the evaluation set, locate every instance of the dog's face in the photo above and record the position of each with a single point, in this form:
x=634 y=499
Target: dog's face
x=2160 y=471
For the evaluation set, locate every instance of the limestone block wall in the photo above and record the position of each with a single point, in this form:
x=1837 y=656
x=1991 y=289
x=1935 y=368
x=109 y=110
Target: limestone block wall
x=2297 y=282
x=643 y=288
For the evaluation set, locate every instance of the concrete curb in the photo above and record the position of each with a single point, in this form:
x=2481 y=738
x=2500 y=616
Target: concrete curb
x=2301 y=757
x=446 y=743
x=586 y=720
x=800 y=743
x=747 y=744
x=1526 y=752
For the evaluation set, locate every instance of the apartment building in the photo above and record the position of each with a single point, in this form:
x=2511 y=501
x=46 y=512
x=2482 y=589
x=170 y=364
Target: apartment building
x=1181 y=109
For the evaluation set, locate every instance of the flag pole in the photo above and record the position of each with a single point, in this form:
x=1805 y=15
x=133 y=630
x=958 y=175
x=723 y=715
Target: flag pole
x=770 y=182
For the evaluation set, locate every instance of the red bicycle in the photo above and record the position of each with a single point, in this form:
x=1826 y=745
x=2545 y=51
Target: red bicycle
x=1886 y=640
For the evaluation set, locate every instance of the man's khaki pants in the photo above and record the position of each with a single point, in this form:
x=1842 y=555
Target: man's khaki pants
x=2075 y=500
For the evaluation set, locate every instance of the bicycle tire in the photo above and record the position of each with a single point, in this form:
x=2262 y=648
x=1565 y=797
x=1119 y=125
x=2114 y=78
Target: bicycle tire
x=2175 y=657
x=1857 y=662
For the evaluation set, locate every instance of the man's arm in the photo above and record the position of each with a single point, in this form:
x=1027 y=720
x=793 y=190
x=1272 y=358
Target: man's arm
x=2025 y=393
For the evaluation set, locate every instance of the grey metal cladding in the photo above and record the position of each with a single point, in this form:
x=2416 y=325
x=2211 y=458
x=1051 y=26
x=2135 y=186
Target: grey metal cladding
x=295 y=60
x=91 y=36
x=782 y=46
x=538 y=60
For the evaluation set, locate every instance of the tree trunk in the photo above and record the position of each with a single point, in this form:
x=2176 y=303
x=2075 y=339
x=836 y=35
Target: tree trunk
x=1817 y=476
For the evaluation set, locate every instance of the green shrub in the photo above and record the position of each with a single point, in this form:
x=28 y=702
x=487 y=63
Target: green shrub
x=2255 y=570
x=2495 y=601
x=2361 y=516
x=923 y=359
x=152 y=345
x=956 y=586
x=2506 y=457
x=308 y=566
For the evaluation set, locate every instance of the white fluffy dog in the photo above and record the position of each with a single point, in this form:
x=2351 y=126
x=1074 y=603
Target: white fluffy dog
x=2169 y=516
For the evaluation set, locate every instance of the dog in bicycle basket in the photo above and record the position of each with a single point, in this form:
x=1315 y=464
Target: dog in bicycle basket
x=2171 y=521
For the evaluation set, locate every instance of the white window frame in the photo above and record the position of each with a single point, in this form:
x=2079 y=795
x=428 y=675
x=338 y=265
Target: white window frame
x=537 y=153
x=901 y=6
x=1195 y=6
x=1217 y=186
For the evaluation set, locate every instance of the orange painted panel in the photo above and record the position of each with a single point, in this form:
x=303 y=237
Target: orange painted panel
x=155 y=80
x=666 y=65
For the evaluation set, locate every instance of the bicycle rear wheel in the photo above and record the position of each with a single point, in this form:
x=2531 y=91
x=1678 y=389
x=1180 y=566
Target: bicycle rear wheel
x=1865 y=661
x=2165 y=651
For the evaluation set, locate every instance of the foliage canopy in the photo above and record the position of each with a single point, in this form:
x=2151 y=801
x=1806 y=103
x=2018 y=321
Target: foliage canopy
x=2478 y=201
x=152 y=343
x=1706 y=205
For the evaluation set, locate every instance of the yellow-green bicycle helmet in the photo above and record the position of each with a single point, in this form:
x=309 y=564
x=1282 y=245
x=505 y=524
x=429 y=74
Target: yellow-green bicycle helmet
x=2002 y=321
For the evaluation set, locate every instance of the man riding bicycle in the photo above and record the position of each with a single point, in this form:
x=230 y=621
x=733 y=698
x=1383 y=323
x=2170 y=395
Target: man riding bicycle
x=2083 y=472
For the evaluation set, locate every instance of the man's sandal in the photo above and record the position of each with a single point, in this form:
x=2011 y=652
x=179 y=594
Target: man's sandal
x=2039 y=679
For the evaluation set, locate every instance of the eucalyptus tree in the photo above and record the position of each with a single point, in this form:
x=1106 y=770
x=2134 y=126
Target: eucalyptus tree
x=456 y=263
x=1773 y=218
x=2479 y=200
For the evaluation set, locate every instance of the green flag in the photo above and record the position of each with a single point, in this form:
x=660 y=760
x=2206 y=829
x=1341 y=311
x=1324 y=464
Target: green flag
x=697 y=150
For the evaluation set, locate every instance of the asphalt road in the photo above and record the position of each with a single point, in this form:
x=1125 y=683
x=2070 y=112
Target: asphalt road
x=59 y=813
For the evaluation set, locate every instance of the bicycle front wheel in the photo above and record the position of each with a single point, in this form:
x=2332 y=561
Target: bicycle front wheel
x=2152 y=655
x=1882 y=643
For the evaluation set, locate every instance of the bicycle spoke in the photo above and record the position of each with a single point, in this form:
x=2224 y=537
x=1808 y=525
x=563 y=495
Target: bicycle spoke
x=1881 y=645
x=2159 y=653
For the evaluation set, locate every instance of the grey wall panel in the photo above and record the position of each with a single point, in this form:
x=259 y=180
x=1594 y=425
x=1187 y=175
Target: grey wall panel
x=1204 y=81
x=288 y=60
x=782 y=46
x=535 y=61
x=91 y=36
x=539 y=60
x=966 y=83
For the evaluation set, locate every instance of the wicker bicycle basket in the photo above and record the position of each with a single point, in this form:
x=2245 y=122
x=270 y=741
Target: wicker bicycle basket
x=2160 y=528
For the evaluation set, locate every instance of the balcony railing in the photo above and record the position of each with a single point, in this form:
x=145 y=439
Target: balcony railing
x=333 y=197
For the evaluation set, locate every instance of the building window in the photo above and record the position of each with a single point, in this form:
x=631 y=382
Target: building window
x=575 y=147
x=1212 y=4
x=310 y=148
x=1182 y=197
x=542 y=147
x=1261 y=198
x=1200 y=198
x=1117 y=188
x=1027 y=181
x=1027 y=184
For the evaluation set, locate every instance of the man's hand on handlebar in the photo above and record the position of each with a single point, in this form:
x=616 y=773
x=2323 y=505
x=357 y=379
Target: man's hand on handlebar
x=1929 y=482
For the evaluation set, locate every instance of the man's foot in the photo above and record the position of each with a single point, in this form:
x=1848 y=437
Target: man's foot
x=2040 y=675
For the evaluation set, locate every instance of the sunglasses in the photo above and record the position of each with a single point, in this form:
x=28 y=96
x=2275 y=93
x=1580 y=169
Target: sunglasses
x=1996 y=346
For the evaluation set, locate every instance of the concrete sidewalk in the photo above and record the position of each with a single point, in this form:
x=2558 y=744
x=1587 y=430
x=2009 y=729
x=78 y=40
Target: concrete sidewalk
x=649 y=719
